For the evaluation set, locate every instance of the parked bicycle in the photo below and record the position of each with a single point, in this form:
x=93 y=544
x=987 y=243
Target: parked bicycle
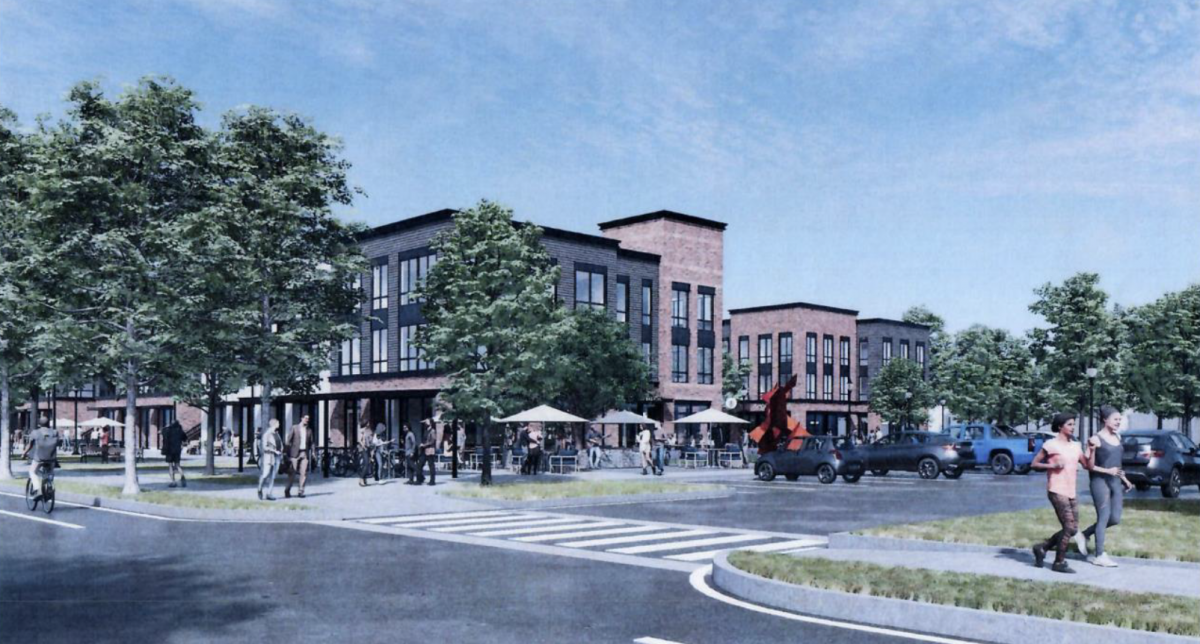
x=46 y=472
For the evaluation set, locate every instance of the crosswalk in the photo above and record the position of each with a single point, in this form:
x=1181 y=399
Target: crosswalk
x=574 y=533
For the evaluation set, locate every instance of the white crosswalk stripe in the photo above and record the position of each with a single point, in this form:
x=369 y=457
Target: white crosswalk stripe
x=573 y=532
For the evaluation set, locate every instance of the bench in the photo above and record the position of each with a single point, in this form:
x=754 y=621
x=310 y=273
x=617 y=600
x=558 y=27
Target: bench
x=694 y=458
x=726 y=458
x=563 y=460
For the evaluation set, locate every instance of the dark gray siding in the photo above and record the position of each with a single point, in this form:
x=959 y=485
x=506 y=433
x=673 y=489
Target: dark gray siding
x=875 y=331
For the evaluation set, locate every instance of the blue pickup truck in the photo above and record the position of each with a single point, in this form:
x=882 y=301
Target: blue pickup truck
x=1002 y=449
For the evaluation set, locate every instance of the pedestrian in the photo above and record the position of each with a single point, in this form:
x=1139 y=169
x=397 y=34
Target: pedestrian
x=299 y=440
x=173 y=438
x=660 y=448
x=104 y=439
x=645 y=442
x=43 y=443
x=460 y=437
x=1107 y=483
x=410 y=455
x=269 y=460
x=593 y=443
x=1060 y=457
x=523 y=445
x=227 y=442
x=379 y=447
x=430 y=448
x=877 y=434
x=535 y=451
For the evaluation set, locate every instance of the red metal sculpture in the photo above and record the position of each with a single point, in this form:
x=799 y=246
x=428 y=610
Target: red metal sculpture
x=778 y=428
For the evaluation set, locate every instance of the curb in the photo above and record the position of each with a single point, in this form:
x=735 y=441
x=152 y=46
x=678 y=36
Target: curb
x=848 y=541
x=188 y=514
x=920 y=617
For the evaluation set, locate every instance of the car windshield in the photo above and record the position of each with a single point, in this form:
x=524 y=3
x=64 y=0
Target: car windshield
x=1138 y=441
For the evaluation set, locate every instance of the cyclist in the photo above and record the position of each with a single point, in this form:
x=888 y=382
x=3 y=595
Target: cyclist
x=43 y=442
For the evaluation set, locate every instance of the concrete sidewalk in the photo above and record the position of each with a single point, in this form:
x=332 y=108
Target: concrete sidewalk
x=1138 y=578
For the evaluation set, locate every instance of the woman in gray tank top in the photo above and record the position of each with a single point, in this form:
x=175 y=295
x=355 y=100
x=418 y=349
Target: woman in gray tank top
x=1108 y=484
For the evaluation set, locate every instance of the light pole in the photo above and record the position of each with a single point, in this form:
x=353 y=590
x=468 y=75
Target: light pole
x=942 y=402
x=1091 y=374
x=907 y=410
x=849 y=409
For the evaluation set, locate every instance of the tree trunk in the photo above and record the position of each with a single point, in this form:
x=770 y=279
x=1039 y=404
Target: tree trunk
x=131 y=386
x=5 y=437
x=1159 y=418
x=264 y=399
x=210 y=463
x=482 y=438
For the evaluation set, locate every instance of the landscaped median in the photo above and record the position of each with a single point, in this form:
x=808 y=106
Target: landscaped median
x=1162 y=529
x=551 y=490
x=1060 y=602
x=179 y=498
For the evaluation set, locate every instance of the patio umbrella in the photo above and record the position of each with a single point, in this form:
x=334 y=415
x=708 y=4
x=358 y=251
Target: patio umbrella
x=623 y=418
x=542 y=414
x=711 y=416
x=101 y=422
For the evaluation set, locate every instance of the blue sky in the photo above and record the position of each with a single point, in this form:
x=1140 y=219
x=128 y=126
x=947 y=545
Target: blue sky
x=870 y=155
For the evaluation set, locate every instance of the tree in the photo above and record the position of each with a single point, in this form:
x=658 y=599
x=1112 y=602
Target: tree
x=599 y=367
x=20 y=310
x=281 y=178
x=733 y=379
x=1081 y=333
x=1160 y=356
x=490 y=318
x=939 y=342
x=888 y=392
x=117 y=179
x=989 y=376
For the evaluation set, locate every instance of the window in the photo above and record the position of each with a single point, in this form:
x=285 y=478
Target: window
x=679 y=308
x=810 y=385
x=904 y=349
x=921 y=357
x=744 y=360
x=704 y=302
x=827 y=350
x=412 y=277
x=379 y=286
x=725 y=345
x=810 y=348
x=623 y=300
x=863 y=352
x=411 y=359
x=887 y=351
x=704 y=368
x=844 y=358
x=679 y=363
x=379 y=351
x=589 y=289
x=350 y=358
x=785 y=348
x=827 y=387
x=864 y=385
x=765 y=381
x=647 y=302
x=845 y=391
x=647 y=353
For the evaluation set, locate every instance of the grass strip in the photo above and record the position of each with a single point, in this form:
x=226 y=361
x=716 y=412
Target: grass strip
x=179 y=499
x=1063 y=601
x=530 y=491
x=1149 y=529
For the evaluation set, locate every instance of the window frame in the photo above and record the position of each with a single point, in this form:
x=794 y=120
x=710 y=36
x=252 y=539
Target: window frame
x=379 y=350
x=379 y=285
x=679 y=363
x=704 y=365
x=591 y=290
x=679 y=308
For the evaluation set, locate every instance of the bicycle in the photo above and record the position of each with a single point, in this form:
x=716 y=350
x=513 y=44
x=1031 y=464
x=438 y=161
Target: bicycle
x=46 y=471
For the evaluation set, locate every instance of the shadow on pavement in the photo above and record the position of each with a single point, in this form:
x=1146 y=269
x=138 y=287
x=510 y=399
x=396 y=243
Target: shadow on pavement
x=140 y=600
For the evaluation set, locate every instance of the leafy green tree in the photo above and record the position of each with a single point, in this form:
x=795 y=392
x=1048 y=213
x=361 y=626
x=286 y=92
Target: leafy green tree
x=491 y=321
x=280 y=180
x=939 y=342
x=599 y=367
x=733 y=377
x=1161 y=356
x=989 y=376
x=117 y=177
x=900 y=393
x=1080 y=333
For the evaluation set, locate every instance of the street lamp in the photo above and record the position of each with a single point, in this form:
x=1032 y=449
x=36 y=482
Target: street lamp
x=849 y=409
x=1091 y=374
x=942 y=402
x=907 y=410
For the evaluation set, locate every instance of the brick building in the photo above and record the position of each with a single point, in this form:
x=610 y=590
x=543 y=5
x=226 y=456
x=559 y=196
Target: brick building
x=879 y=342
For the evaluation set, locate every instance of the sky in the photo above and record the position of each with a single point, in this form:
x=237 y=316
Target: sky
x=868 y=155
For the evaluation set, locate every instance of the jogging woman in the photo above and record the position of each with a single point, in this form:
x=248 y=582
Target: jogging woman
x=1108 y=484
x=1059 y=458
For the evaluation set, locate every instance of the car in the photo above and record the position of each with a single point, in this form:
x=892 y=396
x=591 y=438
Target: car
x=825 y=456
x=1165 y=458
x=1002 y=449
x=926 y=453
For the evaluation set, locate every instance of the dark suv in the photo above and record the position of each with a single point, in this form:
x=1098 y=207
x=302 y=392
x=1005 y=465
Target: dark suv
x=925 y=453
x=824 y=456
x=1160 y=457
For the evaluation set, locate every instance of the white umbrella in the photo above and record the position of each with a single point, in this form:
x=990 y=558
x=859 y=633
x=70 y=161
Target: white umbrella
x=542 y=414
x=709 y=416
x=624 y=418
x=101 y=422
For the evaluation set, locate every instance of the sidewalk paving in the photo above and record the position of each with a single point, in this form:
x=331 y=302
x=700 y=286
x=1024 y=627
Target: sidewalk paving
x=1138 y=578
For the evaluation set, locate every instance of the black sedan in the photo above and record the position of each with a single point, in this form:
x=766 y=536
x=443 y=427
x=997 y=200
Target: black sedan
x=1164 y=458
x=823 y=456
x=926 y=453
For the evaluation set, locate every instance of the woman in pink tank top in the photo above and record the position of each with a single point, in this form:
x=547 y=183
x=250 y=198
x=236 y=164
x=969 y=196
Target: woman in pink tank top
x=1060 y=458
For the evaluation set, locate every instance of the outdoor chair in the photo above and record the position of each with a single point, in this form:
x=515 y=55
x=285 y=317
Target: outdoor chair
x=693 y=457
x=564 y=458
x=730 y=458
x=516 y=459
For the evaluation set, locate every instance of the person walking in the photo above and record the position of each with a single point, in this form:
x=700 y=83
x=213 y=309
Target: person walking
x=299 y=440
x=429 y=446
x=269 y=460
x=410 y=455
x=460 y=439
x=523 y=444
x=645 y=441
x=535 y=451
x=660 y=448
x=593 y=443
x=366 y=444
x=173 y=438
x=1060 y=458
x=1107 y=483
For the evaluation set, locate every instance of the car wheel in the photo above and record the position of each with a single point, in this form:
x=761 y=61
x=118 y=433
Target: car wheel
x=766 y=472
x=1022 y=469
x=826 y=474
x=928 y=469
x=1142 y=487
x=1001 y=464
x=791 y=477
x=879 y=472
x=953 y=473
x=851 y=478
x=1170 y=489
